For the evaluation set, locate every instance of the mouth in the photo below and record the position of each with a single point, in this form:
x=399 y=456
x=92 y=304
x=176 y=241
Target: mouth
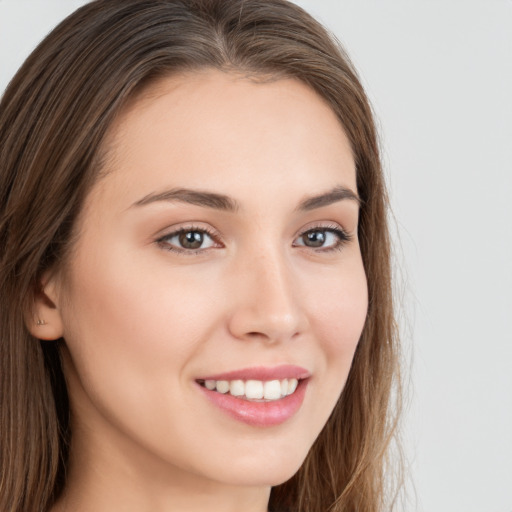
x=253 y=390
x=261 y=397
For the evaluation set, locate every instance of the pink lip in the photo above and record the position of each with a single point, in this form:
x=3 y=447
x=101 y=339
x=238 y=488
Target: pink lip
x=260 y=414
x=285 y=371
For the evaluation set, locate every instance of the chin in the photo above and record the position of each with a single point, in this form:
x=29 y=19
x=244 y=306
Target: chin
x=270 y=470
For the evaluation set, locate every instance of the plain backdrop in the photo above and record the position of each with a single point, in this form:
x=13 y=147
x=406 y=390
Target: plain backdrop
x=439 y=74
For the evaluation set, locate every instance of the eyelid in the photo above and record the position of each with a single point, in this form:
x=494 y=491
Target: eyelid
x=333 y=227
x=343 y=235
x=323 y=226
x=175 y=231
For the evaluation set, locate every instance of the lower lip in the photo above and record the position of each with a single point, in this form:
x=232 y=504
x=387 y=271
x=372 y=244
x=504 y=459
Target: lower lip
x=259 y=414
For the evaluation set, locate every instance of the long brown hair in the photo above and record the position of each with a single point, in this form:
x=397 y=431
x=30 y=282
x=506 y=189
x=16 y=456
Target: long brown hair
x=53 y=119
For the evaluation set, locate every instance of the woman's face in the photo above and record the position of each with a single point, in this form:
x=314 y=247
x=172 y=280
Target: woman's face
x=220 y=250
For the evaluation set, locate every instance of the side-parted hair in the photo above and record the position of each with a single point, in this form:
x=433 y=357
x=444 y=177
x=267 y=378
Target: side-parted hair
x=53 y=119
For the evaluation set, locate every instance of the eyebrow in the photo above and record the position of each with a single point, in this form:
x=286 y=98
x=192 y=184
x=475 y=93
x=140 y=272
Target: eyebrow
x=195 y=197
x=332 y=196
x=222 y=202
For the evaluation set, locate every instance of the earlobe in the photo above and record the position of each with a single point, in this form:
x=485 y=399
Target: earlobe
x=45 y=321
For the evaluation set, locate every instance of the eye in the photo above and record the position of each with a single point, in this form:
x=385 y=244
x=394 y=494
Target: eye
x=189 y=239
x=322 y=238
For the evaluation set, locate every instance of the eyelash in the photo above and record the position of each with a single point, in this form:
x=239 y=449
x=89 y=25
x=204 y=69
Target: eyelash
x=342 y=235
x=214 y=235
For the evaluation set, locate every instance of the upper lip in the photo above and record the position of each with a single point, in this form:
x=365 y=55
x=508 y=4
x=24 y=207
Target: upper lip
x=263 y=373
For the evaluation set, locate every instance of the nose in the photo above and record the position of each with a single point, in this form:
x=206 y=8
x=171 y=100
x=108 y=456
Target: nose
x=266 y=302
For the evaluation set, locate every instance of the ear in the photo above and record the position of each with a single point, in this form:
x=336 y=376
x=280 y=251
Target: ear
x=45 y=321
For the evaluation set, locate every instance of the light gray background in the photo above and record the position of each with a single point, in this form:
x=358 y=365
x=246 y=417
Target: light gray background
x=439 y=74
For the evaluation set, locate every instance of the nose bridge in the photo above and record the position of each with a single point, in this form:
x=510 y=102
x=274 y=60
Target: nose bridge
x=267 y=306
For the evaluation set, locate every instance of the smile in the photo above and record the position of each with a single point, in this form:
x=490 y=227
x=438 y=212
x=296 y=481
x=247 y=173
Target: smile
x=258 y=396
x=254 y=390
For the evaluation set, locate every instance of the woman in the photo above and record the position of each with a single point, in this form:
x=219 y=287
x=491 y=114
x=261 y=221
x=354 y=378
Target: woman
x=196 y=305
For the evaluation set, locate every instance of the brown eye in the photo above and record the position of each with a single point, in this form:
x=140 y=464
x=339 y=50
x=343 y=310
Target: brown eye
x=191 y=239
x=326 y=239
x=185 y=240
x=314 y=238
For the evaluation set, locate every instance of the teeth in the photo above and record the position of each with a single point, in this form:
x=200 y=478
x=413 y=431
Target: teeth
x=272 y=390
x=254 y=389
x=292 y=386
x=237 y=388
x=210 y=384
x=222 y=386
x=284 y=387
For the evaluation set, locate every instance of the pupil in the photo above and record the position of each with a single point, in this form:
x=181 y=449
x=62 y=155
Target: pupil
x=315 y=239
x=191 y=239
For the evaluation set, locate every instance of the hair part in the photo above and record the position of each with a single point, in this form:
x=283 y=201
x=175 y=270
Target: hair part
x=54 y=117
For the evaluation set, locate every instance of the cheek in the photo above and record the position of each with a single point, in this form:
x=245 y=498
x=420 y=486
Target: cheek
x=339 y=315
x=339 y=312
x=131 y=336
x=133 y=328
x=134 y=315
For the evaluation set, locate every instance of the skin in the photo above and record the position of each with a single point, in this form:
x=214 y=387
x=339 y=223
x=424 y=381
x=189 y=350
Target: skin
x=142 y=322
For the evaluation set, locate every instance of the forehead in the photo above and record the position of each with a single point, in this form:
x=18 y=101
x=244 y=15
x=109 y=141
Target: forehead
x=215 y=129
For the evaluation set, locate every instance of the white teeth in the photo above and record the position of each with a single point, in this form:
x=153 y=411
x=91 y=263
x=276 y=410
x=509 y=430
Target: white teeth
x=254 y=389
x=237 y=388
x=292 y=386
x=210 y=384
x=222 y=386
x=272 y=390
